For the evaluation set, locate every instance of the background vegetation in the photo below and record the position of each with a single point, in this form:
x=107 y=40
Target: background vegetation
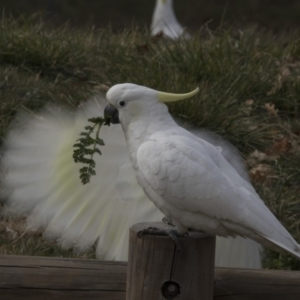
x=276 y=15
x=249 y=94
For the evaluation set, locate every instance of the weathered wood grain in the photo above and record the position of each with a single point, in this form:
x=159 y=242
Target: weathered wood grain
x=247 y=284
x=58 y=278
x=154 y=260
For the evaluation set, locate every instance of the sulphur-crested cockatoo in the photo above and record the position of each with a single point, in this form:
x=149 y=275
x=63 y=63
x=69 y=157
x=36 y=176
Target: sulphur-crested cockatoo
x=187 y=178
x=164 y=21
x=42 y=181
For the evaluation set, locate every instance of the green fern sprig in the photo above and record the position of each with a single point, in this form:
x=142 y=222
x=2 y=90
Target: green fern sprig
x=86 y=147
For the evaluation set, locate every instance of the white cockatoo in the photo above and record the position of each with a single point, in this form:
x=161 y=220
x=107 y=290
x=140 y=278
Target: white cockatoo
x=164 y=21
x=186 y=177
x=42 y=181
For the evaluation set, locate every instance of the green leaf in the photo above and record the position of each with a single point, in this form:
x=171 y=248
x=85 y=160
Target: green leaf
x=86 y=147
x=100 y=142
x=98 y=151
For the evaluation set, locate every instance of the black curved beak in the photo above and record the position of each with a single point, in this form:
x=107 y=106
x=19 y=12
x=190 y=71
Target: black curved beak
x=112 y=113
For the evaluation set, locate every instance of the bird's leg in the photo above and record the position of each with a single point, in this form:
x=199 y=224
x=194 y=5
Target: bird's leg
x=173 y=234
x=168 y=221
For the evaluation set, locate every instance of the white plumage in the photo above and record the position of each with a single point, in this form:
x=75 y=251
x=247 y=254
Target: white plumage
x=42 y=181
x=187 y=178
x=164 y=21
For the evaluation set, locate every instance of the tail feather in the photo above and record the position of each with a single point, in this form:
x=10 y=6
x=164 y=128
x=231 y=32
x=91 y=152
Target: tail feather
x=44 y=182
x=294 y=250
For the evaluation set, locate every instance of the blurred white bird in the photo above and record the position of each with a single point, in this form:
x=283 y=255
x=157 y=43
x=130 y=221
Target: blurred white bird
x=164 y=21
x=187 y=178
x=42 y=181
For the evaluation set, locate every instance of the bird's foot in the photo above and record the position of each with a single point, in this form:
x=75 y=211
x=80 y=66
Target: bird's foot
x=171 y=233
x=167 y=221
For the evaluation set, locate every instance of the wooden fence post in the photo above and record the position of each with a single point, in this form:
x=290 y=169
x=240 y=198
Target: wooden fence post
x=157 y=270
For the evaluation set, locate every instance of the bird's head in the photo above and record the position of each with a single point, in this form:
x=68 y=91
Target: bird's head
x=133 y=100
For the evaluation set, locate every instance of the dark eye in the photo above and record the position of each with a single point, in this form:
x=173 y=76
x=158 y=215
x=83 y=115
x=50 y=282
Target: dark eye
x=122 y=103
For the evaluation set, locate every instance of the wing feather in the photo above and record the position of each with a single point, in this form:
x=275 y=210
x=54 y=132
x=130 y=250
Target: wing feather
x=200 y=180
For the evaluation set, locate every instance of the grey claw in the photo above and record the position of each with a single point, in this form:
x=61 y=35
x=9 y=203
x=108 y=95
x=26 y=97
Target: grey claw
x=150 y=231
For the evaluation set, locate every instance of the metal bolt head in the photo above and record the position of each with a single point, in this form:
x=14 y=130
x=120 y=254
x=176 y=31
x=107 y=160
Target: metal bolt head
x=170 y=289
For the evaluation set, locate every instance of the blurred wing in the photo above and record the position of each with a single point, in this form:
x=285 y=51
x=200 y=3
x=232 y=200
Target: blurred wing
x=42 y=181
x=135 y=209
x=238 y=252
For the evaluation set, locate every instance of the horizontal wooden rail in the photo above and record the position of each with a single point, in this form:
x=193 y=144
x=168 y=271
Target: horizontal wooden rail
x=29 y=277
x=247 y=284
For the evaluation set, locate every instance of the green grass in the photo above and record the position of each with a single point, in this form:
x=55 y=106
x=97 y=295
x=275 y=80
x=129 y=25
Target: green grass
x=241 y=76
